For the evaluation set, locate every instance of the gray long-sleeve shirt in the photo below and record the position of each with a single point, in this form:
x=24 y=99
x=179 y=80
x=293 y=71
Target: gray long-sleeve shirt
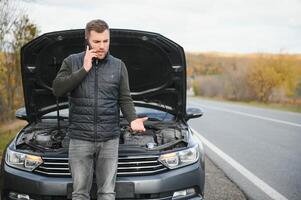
x=66 y=81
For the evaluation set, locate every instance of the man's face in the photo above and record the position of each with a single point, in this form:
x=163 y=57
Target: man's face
x=100 y=42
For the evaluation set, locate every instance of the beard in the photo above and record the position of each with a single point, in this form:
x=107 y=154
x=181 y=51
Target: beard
x=101 y=54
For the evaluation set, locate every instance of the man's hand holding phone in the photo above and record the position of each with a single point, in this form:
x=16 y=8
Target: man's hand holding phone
x=90 y=54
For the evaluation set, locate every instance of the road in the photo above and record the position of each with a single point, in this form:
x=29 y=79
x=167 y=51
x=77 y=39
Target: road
x=218 y=186
x=259 y=149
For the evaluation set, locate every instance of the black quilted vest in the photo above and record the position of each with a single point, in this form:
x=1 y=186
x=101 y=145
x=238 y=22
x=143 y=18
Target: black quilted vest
x=94 y=109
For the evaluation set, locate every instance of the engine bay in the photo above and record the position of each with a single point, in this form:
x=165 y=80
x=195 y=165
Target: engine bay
x=47 y=137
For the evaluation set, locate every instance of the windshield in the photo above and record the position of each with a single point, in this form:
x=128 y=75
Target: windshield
x=152 y=114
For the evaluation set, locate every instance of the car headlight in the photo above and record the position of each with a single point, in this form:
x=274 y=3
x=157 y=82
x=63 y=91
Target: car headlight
x=22 y=160
x=180 y=158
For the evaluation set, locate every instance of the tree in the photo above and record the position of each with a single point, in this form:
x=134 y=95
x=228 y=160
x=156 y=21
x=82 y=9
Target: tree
x=15 y=30
x=269 y=73
x=22 y=31
x=286 y=67
x=236 y=86
x=8 y=16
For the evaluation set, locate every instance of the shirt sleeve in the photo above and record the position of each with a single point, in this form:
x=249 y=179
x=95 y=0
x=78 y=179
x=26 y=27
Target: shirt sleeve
x=125 y=99
x=66 y=80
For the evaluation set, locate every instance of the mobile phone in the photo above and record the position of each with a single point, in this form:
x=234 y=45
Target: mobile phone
x=87 y=43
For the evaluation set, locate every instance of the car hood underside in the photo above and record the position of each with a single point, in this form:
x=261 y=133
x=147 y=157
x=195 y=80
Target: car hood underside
x=156 y=67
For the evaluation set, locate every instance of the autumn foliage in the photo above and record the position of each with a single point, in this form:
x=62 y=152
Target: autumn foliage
x=260 y=77
x=16 y=29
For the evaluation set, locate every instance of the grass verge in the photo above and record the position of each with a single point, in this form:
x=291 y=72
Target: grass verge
x=275 y=106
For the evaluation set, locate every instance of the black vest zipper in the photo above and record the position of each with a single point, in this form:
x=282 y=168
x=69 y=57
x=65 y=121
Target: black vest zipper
x=95 y=101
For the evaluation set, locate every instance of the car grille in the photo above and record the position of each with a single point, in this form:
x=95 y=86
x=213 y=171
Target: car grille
x=127 y=166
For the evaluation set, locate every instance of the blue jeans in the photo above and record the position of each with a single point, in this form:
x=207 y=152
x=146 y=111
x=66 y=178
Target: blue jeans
x=83 y=156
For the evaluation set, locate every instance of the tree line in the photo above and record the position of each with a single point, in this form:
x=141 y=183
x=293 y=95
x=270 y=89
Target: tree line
x=260 y=77
x=16 y=29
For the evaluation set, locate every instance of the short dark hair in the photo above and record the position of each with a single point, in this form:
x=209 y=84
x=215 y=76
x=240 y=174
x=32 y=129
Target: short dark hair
x=97 y=25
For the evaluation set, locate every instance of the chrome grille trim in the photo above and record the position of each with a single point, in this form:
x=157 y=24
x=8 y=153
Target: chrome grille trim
x=138 y=157
x=134 y=162
x=143 y=167
x=50 y=158
x=50 y=163
x=53 y=168
x=127 y=166
x=51 y=173
x=144 y=172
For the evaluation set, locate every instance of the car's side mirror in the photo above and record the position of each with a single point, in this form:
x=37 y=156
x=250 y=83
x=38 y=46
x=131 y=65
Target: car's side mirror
x=21 y=113
x=193 y=113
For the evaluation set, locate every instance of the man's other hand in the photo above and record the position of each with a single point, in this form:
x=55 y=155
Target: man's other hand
x=137 y=124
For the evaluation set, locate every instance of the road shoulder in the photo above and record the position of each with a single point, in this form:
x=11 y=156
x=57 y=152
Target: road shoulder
x=218 y=186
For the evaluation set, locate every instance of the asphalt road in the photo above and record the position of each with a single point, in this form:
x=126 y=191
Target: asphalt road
x=259 y=149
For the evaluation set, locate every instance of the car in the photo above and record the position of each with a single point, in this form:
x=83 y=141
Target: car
x=164 y=162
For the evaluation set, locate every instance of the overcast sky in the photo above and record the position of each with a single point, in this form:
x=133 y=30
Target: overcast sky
x=241 y=26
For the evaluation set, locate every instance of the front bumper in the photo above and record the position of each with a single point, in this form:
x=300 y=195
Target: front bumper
x=160 y=186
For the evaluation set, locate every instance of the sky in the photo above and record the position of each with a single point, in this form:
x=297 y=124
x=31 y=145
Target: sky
x=232 y=26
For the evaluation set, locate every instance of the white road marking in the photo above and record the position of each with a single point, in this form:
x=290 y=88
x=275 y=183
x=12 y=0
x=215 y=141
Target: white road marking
x=249 y=115
x=271 y=192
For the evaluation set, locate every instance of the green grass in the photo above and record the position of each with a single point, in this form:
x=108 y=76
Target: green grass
x=275 y=106
x=5 y=137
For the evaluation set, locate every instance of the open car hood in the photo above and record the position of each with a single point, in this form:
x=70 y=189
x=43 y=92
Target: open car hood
x=156 y=67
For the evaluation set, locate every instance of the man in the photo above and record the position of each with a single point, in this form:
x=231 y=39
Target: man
x=98 y=85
